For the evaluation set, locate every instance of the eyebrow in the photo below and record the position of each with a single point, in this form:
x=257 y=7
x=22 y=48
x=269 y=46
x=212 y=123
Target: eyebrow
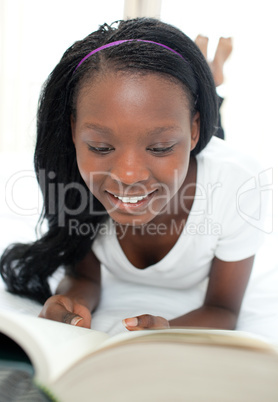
x=107 y=131
x=160 y=130
x=99 y=128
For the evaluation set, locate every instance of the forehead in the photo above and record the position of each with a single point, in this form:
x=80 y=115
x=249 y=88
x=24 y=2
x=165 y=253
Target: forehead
x=131 y=107
x=132 y=102
x=110 y=82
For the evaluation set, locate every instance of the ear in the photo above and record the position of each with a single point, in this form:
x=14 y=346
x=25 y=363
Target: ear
x=72 y=124
x=195 y=130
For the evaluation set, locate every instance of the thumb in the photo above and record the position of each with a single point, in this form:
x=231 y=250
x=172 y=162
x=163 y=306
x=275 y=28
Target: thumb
x=72 y=319
x=60 y=309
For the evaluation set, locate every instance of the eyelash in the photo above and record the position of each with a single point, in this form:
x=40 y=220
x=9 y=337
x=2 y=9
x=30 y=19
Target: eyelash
x=100 y=150
x=107 y=150
x=164 y=150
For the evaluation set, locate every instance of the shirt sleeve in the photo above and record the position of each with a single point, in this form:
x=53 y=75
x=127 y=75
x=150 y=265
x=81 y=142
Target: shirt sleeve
x=243 y=213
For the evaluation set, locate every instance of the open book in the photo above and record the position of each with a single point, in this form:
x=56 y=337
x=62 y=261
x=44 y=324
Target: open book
x=77 y=364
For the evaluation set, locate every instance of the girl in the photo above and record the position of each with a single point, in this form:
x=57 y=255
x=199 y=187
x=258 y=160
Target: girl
x=133 y=180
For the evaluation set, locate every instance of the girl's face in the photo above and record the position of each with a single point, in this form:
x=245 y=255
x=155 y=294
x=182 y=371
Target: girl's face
x=133 y=135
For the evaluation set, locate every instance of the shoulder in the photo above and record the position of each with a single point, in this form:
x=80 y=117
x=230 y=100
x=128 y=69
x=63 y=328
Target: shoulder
x=220 y=158
x=236 y=202
x=235 y=180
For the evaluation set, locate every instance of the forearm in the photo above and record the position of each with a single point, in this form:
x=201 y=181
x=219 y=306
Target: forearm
x=227 y=284
x=82 y=290
x=82 y=282
x=207 y=317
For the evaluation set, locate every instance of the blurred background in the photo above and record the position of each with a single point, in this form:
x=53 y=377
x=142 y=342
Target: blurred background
x=35 y=33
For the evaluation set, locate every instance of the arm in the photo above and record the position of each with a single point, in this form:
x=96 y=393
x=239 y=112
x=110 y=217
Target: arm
x=77 y=295
x=83 y=284
x=226 y=288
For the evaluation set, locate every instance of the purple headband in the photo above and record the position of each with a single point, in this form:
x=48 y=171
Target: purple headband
x=118 y=42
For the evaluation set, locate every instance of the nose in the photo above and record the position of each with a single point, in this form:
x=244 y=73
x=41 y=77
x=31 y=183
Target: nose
x=130 y=168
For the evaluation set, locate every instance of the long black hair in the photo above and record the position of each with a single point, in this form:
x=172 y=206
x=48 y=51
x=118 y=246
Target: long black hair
x=25 y=268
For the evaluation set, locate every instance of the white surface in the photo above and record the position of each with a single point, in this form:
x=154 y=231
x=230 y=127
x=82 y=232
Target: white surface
x=259 y=314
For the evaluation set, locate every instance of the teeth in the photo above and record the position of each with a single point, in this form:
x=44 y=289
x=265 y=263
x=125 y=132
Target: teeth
x=131 y=200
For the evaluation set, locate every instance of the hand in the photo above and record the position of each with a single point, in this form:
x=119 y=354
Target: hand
x=145 y=321
x=65 y=309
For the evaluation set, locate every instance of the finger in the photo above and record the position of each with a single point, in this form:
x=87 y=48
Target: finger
x=82 y=311
x=145 y=321
x=77 y=314
x=58 y=312
x=71 y=318
x=64 y=309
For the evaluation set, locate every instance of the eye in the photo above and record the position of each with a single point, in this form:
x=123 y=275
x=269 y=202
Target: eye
x=161 y=150
x=100 y=150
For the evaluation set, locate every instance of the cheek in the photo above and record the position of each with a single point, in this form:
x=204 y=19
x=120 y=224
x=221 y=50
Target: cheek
x=175 y=172
x=93 y=171
x=82 y=163
x=86 y=167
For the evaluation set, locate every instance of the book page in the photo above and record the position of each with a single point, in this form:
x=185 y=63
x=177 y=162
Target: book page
x=51 y=346
x=194 y=335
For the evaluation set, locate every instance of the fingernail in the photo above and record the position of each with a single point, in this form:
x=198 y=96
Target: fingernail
x=76 y=320
x=131 y=322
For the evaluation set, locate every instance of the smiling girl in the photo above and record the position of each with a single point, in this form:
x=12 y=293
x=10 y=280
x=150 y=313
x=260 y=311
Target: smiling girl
x=125 y=127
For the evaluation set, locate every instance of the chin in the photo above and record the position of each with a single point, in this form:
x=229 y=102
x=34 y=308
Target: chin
x=132 y=221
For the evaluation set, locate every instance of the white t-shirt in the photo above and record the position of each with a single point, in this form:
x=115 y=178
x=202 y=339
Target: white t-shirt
x=226 y=221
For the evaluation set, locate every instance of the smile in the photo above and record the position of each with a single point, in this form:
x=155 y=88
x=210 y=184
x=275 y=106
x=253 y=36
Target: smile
x=131 y=200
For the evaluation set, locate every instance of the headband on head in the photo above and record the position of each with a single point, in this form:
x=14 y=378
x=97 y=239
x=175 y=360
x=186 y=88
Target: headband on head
x=118 y=42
